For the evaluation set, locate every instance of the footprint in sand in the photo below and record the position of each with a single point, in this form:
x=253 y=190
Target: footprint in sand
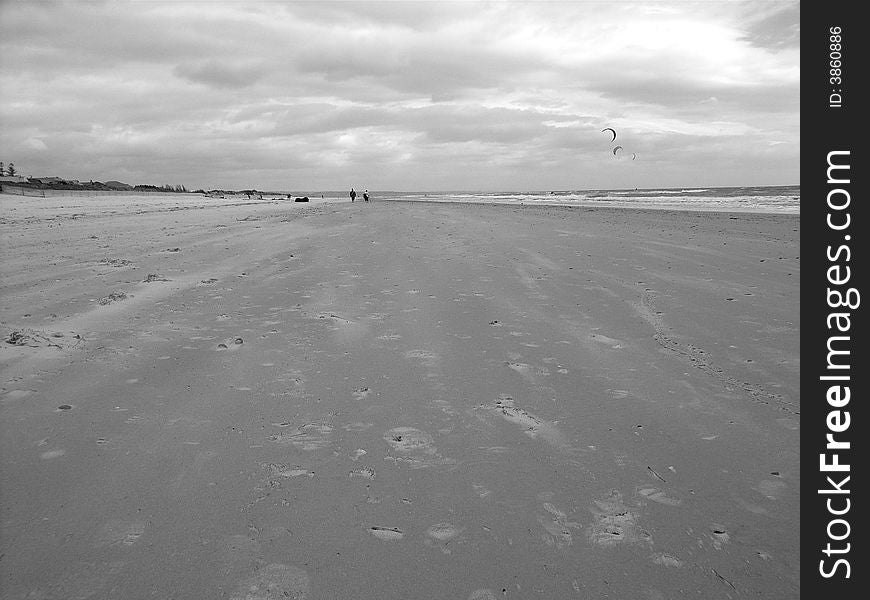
x=366 y=473
x=442 y=535
x=770 y=488
x=113 y=297
x=529 y=373
x=522 y=368
x=557 y=527
x=274 y=581
x=388 y=534
x=608 y=341
x=481 y=490
x=417 y=448
x=532 y=426
x=16 y=395
x=656 y=495
x=116 y=531
x=408 y=439
x=358 y=426
x=719 y=535
x=390 y=337
x=615 y=524
x=666 y=560
x=277 y=471
x=311 y=436
x=115 y=262
x=361 y=393
x=231 y=344
x=429 y=359
x=52 y=454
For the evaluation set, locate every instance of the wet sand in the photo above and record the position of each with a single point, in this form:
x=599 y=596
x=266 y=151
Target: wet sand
x=397 y=400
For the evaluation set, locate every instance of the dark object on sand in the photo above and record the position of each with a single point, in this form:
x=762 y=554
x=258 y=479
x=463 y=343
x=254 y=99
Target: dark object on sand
x=303 y=199
x=17 y=338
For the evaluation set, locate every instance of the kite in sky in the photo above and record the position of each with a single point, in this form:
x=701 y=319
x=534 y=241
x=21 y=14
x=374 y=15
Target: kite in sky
x=615 y=149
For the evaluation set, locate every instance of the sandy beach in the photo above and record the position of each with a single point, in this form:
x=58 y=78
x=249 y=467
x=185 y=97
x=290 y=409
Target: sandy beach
x=232 y=399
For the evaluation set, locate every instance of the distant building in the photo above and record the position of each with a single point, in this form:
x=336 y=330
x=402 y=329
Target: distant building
x=13 y=179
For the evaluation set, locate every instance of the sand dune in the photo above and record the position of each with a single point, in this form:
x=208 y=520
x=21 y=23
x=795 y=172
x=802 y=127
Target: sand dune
x=397 y=400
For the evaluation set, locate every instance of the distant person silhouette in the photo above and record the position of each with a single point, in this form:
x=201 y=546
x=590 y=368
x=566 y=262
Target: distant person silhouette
x=366 y=195
x=352 y=195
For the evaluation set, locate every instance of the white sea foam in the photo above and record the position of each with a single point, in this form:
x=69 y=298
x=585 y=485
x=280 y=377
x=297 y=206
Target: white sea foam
x=777 y=199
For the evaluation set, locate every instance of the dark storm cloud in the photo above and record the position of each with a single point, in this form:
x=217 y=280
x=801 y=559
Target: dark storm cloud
x=57 y=37
x=779 y=29
x=420 y=16
x=691 y=96
x=221 y=75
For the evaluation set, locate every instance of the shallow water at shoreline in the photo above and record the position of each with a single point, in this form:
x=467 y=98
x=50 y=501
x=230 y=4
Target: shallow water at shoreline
x=763 y=199
x=758 y=199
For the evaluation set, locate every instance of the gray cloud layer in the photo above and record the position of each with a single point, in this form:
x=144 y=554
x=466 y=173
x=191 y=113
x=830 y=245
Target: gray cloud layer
x=402 y=95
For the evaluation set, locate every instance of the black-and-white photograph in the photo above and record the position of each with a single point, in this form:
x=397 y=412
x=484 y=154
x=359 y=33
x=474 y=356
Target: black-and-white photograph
x=401 y=300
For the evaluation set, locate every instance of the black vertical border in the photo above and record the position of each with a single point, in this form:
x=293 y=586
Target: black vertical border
x=827 y=127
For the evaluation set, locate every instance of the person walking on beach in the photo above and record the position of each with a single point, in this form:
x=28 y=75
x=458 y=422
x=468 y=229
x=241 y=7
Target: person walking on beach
x=352 y=194
x=366 y=195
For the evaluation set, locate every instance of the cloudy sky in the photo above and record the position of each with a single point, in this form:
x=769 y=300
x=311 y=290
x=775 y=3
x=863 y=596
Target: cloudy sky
x=402 y=95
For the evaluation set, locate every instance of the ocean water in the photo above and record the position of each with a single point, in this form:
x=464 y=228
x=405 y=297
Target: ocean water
x=761 y=199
